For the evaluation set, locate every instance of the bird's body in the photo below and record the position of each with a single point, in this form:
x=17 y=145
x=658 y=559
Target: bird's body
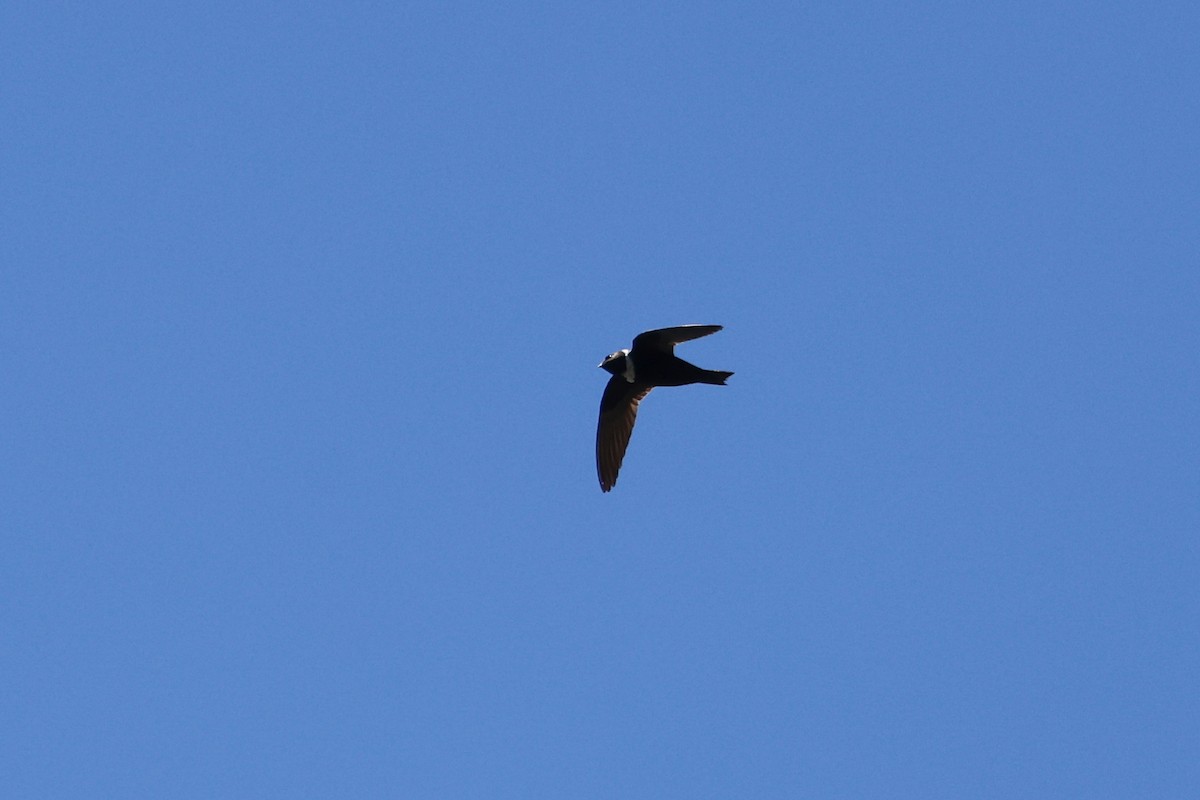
x=635 y=371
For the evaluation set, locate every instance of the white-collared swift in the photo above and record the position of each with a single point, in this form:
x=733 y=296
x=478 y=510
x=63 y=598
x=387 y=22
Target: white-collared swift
x=635 y=371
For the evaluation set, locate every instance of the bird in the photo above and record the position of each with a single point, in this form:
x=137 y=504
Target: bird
x=635 y=371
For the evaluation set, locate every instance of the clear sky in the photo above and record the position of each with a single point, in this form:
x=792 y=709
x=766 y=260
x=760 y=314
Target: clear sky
x=301 y=307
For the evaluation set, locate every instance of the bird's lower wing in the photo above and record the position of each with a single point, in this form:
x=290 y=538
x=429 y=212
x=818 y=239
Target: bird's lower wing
x=618 y=412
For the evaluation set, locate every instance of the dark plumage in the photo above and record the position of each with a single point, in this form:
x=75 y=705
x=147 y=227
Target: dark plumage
x=650 y=362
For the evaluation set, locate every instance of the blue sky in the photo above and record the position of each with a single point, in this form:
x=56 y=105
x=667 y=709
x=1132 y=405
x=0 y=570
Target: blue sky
x=301 y=309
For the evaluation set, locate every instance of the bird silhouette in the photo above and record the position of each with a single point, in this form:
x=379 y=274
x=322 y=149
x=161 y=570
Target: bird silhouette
x=635 y=371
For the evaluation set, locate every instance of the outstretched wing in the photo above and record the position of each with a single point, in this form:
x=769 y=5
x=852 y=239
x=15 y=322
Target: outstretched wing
x=665 y=339
x=618 y=412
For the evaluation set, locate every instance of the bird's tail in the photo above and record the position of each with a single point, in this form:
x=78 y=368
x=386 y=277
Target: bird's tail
x=715 y=377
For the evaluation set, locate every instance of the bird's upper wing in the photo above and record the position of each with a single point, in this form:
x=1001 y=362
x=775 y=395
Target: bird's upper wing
x=665 y=339
x=618 y=412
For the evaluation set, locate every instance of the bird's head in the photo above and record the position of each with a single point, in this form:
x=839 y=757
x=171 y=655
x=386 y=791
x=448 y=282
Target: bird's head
x=614 y=362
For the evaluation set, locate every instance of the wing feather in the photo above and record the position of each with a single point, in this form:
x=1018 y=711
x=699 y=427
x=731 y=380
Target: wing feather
x=665 y=339
x=618 y=413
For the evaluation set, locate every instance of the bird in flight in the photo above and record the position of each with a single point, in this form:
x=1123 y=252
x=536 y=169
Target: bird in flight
x=635 y=371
